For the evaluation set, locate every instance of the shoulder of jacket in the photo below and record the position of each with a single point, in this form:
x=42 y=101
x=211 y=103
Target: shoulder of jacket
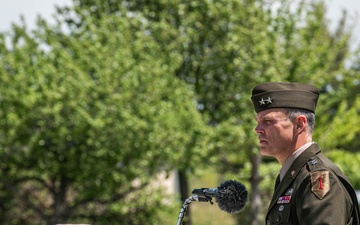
x=319 y=168
x=319 y=162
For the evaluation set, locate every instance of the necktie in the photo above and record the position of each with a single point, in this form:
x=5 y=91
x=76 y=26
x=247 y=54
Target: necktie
x=277 y=182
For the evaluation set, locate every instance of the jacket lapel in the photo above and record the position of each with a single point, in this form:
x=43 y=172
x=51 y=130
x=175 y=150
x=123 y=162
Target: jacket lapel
x=292 y=173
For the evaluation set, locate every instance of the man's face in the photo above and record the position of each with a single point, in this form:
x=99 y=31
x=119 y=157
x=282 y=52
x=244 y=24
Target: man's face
x=276 y=133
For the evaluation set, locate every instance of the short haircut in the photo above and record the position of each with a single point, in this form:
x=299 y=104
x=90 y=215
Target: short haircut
x=310 y=116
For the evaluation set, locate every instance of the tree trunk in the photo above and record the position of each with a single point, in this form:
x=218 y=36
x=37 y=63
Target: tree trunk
x=255 y=190
x=184 y=194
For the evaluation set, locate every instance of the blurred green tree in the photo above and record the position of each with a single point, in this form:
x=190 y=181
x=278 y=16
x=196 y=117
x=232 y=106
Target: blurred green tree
x=90 y=116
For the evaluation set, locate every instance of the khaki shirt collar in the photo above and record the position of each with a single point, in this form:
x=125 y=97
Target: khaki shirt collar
x=289 y=161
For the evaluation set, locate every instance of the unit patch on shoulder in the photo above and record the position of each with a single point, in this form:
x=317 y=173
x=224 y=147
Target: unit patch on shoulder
x=320 y=183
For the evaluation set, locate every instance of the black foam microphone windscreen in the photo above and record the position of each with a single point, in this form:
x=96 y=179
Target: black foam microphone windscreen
x=231 y=196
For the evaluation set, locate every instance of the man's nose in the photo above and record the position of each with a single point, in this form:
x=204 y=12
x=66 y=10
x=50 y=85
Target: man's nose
x=258 y=129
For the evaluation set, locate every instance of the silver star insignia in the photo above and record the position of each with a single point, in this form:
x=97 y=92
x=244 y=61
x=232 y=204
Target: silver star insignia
x=268 y=100
x=262 y=101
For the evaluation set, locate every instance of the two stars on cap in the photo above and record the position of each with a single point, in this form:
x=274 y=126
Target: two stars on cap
x=265 y=101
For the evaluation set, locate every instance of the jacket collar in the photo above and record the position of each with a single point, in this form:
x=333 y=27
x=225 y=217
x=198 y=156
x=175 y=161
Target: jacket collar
x=293 y=171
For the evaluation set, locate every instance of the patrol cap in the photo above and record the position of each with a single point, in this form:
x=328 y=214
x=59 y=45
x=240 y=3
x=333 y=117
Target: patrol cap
x=284 y=95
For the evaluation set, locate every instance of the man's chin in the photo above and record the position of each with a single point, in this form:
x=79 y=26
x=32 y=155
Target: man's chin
x=264 y=152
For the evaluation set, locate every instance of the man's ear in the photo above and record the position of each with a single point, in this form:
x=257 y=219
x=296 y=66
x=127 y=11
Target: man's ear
x=300 y=123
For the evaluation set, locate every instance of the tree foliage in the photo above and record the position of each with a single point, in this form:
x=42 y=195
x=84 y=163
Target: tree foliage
x=88 y=119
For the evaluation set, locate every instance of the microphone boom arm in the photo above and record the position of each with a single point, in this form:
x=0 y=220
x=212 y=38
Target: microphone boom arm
x=187 y=203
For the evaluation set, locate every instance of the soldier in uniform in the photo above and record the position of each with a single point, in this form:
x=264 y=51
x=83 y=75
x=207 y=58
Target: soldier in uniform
x=310 y=189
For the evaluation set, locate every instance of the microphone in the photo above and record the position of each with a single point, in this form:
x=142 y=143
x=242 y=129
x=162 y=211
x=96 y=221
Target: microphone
x=230 y=195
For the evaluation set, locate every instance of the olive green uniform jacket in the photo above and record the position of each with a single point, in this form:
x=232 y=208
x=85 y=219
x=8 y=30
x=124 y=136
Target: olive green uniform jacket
x=313 y=191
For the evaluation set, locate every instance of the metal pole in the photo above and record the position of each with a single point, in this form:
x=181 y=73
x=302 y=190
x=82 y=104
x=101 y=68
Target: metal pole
x=187 y=203
x=184 y=208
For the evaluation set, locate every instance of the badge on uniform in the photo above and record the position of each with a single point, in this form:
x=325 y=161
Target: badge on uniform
x=320 y=183
x=285 y=199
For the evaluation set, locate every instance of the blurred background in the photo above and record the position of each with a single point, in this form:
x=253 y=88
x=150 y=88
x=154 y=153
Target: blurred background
x=112 y=112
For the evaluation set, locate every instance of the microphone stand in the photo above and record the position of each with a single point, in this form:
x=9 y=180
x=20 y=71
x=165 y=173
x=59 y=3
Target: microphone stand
x=187 y=203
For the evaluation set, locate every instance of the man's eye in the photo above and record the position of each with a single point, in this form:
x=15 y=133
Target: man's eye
x=268 y=122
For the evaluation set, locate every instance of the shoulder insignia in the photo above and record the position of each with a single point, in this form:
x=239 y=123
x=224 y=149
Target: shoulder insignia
x=320 y=183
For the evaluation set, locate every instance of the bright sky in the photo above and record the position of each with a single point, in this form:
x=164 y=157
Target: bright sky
x=11 y=10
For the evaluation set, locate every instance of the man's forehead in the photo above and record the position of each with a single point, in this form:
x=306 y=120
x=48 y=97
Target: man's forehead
x=272 y=113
